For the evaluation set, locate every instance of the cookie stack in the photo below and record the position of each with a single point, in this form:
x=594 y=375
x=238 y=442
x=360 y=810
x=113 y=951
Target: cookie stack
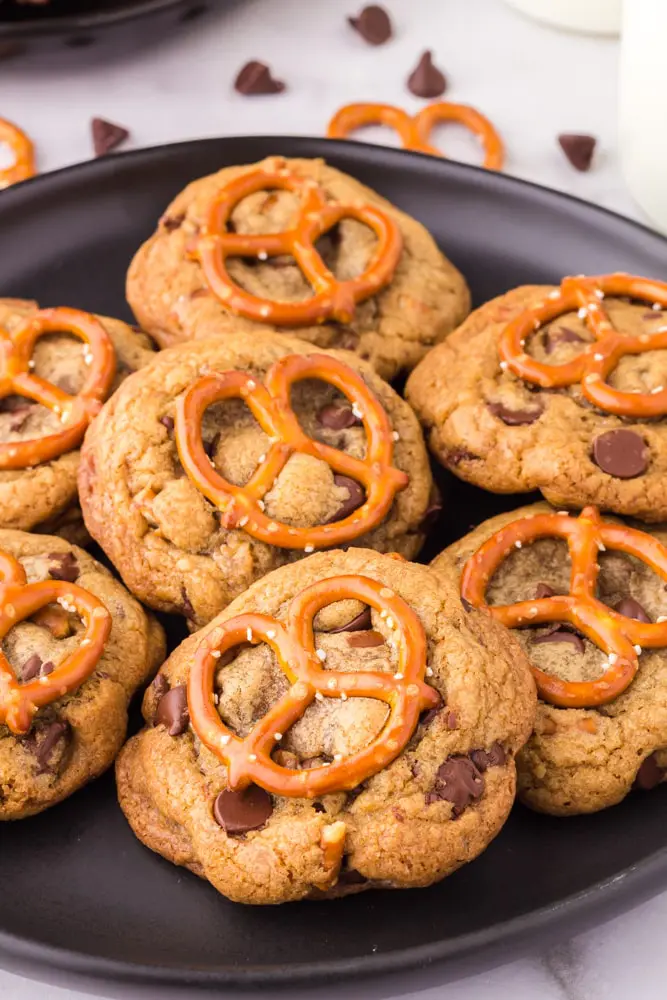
x=340 y=717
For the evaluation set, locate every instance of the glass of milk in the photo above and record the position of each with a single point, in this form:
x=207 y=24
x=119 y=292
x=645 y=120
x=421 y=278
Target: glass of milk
x=643 y=106
x=597 y=16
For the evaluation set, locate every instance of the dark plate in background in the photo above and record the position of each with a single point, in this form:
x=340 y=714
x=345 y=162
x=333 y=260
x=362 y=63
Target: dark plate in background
x=81 y=900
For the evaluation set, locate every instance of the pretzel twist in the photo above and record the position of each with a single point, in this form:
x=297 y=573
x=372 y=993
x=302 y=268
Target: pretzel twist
x=405 y=693
x=24 y=154
x=592 y=367
x=242 y=506
x=612 y=632
x=414 y=131
x=332 y=299
x=75 y=412
x=20 y=600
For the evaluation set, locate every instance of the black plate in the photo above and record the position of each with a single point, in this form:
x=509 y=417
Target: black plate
x=80 y=896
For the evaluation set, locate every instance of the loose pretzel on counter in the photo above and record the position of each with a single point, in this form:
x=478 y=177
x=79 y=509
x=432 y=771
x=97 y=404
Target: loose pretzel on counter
x=24 y=154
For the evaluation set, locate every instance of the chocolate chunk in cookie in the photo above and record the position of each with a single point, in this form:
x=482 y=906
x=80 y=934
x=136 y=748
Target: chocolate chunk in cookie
x=172 y=711
x=621 y=453
x=457 y=781
x=516 y=417
x=63 y=566
x=631 y=608
x=241 y=812
x=360 y=623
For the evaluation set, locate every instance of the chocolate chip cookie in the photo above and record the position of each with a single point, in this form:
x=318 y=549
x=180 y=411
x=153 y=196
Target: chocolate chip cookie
x=172 y=297
x=51 y=744
x=538 y=391
x=38 y=490
x=600 y=657
x=191 y=515
x=345 y=724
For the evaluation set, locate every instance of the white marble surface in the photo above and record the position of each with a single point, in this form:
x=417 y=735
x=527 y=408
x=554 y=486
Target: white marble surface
x=532 y=82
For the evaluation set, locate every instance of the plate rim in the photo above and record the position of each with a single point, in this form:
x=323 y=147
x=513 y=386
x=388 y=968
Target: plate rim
x=626 y=887
x=130 y=11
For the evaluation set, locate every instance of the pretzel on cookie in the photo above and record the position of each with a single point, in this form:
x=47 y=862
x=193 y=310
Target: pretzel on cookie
x=75 y=412
x=20 y=145
x=592 y=367
x=405 y=693
x=620 y=637
x=19 y=702
x=414 y=131
x=243 y=506
x=332 y=299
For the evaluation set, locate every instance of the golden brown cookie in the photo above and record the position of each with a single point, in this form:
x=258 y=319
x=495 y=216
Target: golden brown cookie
x=42 y=495
x=172 y=298
x=74 y=737
x=582 y=759
x=351 y=793
x=178 y=551
x=510 y=434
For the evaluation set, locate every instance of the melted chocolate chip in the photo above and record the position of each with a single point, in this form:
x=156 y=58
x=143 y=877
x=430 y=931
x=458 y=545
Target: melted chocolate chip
x=563 y=335
x=168 y=422
x=356 y=497
x=621 y=453
x=649 y=774
x=457 y=781
x=373 y=24
x=515 y=418
x=360 y=640
x=560 y=634
x=63 y=566
x=337 y=417
x=361 y=623
x=107 y=136
x=543 y=590
x=579 y=149
x=426 y=80
x=172 y=711
x=467 y=606
x=160 y=686
x=483 y=759
x=240 y=812
x=32 y=668
x=255 y=78
x=457 y=455
x=170 y=223
x=632 y=609
x=43 y=742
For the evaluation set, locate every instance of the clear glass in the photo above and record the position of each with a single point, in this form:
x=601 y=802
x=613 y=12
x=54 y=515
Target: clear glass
x=596 y=16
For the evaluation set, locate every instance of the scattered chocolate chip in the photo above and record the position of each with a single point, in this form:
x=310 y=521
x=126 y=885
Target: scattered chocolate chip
x=433 y=511
x=168 y=422
x=107 y=136
x=360 y=640
x=350 y=876
x=337 y=416
x=426 y=80
x=255 y=78
x=632 y=609
x=361 y=623
x=160 y=686
x=467 y=606
x=373 y=24
x=172 y=711
x=44 y=747
x=514 y=418
x=240 y=812
x=457 y=781
x=483 y=759
x=620 y=453
x=543 y=590
x=63 y=566
x=356 y=498
x=170 y=223
x=186 y=605
x=579 y=149
x=563 y=335
x=649 y=774
x=559 y=634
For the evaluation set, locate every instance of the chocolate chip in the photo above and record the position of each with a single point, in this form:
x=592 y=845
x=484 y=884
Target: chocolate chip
x=653 y=314
x=579 y=149
x=560 y=634
x=649 y=774
x=563 y=335
x=318 y=807
x=373 y=24
x=361 y=623
x=239 y=812
x=426 y=80
x=622 y=454
x=632 y=609
x=63 y=566
x=457 y=781
x=33 y=667
x=170 y=223
x=186 y=605
x=337 y=416
x=255 y=78
x=168 y=422
x=515 y=417
x=483 y=759
x=172 y=711
x=467 y=606
x=107 y=136
x=457 y=455
x=543 y=590
x=452 y=720
x=43 y=742
x=160 y=686
x=426 y=718
x=359 y=640
x=356 y=497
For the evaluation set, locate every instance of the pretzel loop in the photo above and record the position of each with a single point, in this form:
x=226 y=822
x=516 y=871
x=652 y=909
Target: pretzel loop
x=415 y=131
x=249 y=760
x=75 y=412
x=614 y=633
x=24 y=154
x=242 y=506
x=331 y=299
x=592 y=367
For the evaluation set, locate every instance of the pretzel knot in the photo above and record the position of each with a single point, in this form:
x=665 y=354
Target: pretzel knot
x=592 y=367
x=24 y=154
x=618 y=636
x=405 y=693
x=414 y=131
x=243 y=506
x=75 y=412
x=20 y=600
x=331 y=299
